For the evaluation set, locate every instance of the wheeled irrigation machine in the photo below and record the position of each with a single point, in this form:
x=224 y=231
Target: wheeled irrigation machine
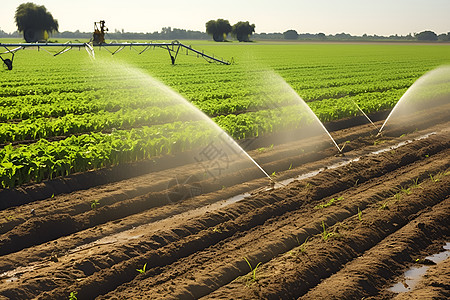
x=98 y=40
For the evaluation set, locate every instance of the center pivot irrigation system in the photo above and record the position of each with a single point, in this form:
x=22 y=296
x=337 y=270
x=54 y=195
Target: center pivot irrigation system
x=98 y=40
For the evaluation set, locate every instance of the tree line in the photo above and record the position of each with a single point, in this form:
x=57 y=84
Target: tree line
x=291 y=34
x=35 y=23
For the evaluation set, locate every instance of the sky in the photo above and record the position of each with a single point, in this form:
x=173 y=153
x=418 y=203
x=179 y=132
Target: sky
x=357 y=17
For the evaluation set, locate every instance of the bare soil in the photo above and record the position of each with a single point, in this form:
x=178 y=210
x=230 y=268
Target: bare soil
x=347 y=231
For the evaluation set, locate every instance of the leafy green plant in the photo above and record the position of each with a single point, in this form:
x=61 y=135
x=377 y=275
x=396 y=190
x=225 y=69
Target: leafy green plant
x=326 y=234
x=437 y=177
x=302 y=247
x=142 y=271
x=94 y=204
x=216 y=229
x=415 y=183
x=329 y=203
x=73 y=296
x=384 y=206
x=398 y=196
x=252 y=278
x=405 y=190
x=359 y=214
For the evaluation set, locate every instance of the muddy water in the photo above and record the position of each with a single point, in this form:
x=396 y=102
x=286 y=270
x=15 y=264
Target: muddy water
x=415 y=274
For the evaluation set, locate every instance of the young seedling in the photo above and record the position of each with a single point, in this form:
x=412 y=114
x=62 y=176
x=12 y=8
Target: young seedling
x=329 y=203
x=261 y=150
x=218 y=230
x=290 y=166
x=384 y=206
x=94 y=204
x=326 y=234
x=302 y=247
x=435 y=178
x=359 y=214
x=253 y=271
x=415 y=183
x=398 y=196
x=142 y=271
x=406 y=191
x=73 y=296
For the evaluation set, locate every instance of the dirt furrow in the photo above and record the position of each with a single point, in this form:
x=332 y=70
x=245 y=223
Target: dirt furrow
x=107 y=278
x=280 y=235
x=368 y=274
x=293 y=274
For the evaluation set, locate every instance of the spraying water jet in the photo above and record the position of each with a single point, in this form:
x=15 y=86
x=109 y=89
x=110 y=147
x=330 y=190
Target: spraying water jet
x=209 y=152
x=425 y=103
x=278 y=88
x=364 y=114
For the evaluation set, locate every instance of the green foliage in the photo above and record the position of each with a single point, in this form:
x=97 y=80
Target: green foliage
x=94 y=204
x=329 y=203
x=384 y=206
x=76 y=118
x=142 y=271
x=325 y=233
x=302 y=247
x=242 y=31
x=426 y=35
x=219 y=29
x=290 y=34
x=73 y=296
x=30 y=17
x=252 y=278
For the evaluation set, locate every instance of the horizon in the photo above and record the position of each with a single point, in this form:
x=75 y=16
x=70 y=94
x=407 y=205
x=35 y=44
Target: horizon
x=382 y=18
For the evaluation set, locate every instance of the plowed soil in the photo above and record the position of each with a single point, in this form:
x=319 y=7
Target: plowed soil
x=348 y=229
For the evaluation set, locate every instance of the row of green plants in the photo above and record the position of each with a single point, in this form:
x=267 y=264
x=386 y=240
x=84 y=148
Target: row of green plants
x=100 y=108
x=46 y=160
x=240 y=126
x=38 y=128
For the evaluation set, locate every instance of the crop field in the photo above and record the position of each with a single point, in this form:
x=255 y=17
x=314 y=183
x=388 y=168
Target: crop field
x=116 y=182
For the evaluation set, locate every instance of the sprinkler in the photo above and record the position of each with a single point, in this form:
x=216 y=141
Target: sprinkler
x=8 y=62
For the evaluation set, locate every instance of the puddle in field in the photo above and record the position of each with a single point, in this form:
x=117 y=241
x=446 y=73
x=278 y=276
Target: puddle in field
x=137 y=232
x=414 y=274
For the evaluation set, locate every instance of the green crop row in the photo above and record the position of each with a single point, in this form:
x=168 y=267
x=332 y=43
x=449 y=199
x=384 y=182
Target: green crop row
x=46 y=160
x=38 y=128
x=84 y=100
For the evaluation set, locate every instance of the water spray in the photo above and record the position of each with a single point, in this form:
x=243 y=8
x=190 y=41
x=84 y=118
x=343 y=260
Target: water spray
x=428 y=97
x=367 y=117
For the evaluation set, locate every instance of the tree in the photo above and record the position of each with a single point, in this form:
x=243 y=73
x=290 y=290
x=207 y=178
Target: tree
x=444 y=37
x=322 y=36
x=290 y=34
x=426 y=36
x=242 y=31
x=34 y=21
x=219 y=29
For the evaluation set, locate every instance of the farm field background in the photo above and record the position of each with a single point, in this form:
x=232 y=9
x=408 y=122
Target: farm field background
x=113 y=186
x=68 y=114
